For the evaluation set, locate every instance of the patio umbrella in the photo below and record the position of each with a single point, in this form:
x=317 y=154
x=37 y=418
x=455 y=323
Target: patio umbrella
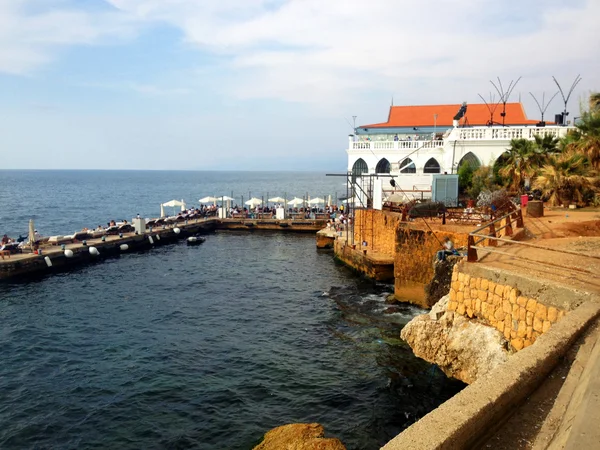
x=225 y=198
x=253 y=202
x=208 y=200
x=277 y=200
x=295 y=201
x=174 y=203
x=316 y=201
x=162 y=210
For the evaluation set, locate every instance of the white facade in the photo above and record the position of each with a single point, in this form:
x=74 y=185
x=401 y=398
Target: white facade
x=485 y=144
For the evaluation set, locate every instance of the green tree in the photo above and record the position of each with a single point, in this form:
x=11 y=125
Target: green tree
x=521 y=161
x=565 y=178
x=465 y=177
x=481 y=180
x=586 y=139
x=546 y=145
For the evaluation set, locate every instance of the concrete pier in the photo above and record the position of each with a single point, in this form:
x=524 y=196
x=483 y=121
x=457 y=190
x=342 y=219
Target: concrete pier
x=53 y=257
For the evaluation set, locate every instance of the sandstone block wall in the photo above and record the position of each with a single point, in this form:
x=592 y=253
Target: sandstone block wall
x=413 y=265
x=522 y=319
x=378 y=229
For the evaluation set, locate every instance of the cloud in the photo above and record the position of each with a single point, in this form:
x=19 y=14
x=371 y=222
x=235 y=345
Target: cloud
x=32 y=32
x=311 y=50
x=332 y=52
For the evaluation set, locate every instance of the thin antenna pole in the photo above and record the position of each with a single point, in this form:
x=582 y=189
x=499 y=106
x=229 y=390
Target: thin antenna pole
x=566 y=99
x=544 y=106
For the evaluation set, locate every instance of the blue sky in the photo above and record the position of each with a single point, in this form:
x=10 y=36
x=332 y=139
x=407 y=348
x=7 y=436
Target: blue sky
x=262 y=84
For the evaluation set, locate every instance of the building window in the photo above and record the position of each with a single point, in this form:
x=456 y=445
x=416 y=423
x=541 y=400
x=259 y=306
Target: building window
x=407 y=166
x=383 y=166
x=432 y=166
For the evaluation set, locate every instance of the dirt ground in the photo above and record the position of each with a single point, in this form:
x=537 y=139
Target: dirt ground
x=564 y=247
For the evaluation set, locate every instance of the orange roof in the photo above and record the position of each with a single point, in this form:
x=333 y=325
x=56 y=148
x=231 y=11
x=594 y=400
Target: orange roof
x=477 y=114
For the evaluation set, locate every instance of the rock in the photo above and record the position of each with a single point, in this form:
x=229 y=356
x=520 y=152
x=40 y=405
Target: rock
x=463 y=349
x=391 y=299
x=440 y=283
x=299 y=436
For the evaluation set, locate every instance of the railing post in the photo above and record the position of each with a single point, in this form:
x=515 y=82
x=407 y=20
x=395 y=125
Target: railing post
x=508 y=227
x=471 y=250
x=519 y=218
x=492 y=242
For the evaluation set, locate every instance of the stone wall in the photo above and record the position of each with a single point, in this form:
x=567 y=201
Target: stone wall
x=377 y=229
x=414 y=256
x=376 y=267
x=522 y=319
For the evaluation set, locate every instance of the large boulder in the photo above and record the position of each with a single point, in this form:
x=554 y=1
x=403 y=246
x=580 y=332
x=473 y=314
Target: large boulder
x=299 y=436
x=464 y=349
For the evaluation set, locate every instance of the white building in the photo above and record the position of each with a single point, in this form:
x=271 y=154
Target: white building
x=419 y=141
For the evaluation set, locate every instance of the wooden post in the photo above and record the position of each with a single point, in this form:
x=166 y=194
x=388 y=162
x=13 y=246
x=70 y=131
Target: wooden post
x=520 y=218
x=492 y=242
x=508 y=228
x=471 y=250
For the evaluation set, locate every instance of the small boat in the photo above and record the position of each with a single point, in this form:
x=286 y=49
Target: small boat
x=195 y=240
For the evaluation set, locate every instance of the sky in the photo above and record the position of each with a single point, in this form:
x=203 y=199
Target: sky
x=264 y=84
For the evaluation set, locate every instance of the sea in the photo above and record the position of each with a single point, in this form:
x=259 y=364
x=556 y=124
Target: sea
x=203 y=347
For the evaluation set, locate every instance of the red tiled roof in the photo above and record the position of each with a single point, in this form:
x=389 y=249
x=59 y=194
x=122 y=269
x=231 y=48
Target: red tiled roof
x=477 y=114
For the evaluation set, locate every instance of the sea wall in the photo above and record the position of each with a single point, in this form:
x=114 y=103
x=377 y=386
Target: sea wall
x=519 y=307
x=374 y=266
x=377 y=229
x=488 y=315
x=415 y=250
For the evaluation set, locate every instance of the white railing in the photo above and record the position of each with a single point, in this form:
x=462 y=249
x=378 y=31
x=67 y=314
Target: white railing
x=394 y=145
x=495 y=133
x=506 y=133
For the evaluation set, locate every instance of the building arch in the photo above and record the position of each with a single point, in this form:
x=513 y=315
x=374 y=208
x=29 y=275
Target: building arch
x=471 y=160
x=359 y=167
x=432 y=166
x=407 y=166
x=383 y=166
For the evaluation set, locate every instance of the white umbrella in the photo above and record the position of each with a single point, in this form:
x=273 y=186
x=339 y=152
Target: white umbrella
x=208 y=200
x=277 y=200
x=316 y=201
x=296 y=201
x=225 y=198
x=253 y=202
x=174 y=203
x=162 y=210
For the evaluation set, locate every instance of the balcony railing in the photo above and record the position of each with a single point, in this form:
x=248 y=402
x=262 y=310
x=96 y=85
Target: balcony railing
x=495 y=133
x=395 y=145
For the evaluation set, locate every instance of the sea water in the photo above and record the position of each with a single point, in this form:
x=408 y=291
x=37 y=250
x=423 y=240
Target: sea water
x=200 y=347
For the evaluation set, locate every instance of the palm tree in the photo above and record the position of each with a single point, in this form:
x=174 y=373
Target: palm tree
x=520 y=162
x=587 y=138
x=547 y=144
x=565 y=178
x=595 y=102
